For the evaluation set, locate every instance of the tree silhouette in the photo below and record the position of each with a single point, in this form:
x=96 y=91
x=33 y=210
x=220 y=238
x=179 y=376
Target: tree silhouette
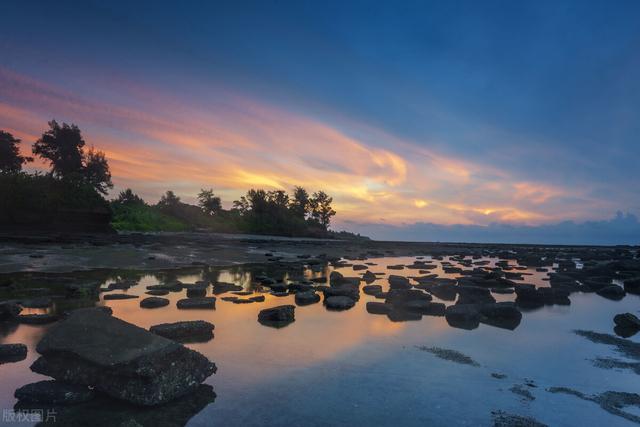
x=169 y=199
x=128 y=198
x=10 y=159
x=63 y=147
x=208 y=202
x=321 y=209
x=96 y=171
x=300 y=202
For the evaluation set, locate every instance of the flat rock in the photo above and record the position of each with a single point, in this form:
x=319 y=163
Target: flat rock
x=277 y=316
x=306 y=298
x=119 y=296
x=54 y=393
x=9 y=310
x=197 y=303
x=120 y=359
x=627 y=321
x=37 y=319
x=154 y=302
x=12 y=353
x=374 y=307
x=187 y=330
x=339 y=302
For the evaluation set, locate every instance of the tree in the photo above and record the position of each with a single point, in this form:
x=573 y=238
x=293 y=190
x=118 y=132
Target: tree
x=242 y=206
x=128 y=198
x=169 y=199
x=321 y=209
x=300 y=202
x=209 y=203
x=63 y=147
x=10 y=159
x=96 y=171
x=279 y=199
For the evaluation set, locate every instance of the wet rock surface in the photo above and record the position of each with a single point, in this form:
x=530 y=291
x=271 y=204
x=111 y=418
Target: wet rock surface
x=54 y=393
x=185 y=331
x=12 y=353
x=119 y=359
x=277 y=316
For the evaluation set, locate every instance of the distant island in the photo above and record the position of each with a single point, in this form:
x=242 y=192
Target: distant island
x=71 y=198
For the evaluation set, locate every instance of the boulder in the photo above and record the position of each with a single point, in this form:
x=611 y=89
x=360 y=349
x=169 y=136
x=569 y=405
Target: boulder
x=12 y=353
x=9 y=310
x=189 y=330
x=257 y=298
x=154 y=302
x=627 y=321
x=613 y=292
x=398 y=282
x=344 y=290
x=425 y=307
x=157 y=292
x=339 y=302
x=196 y=292
x=501 y=314
x=306 y=298
x=474 y=295
x=222 y=287
x=277 y=316
x=464 y=316
x=54 y=393
x=369 y=277
x=197 y=303
x=37 y=319
x=372 y=289
x=120 y=359
x=632 y=286
x=379 y=308
x=400 y=315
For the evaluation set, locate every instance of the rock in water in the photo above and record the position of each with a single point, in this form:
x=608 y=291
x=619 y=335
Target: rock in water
x=12 y=353
x=9 y=310
x=120 y=359
x=277 y=316
x=53 y=392
x=189 y=330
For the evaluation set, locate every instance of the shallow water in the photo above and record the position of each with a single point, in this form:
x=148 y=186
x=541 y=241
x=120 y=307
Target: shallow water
x=355 y=368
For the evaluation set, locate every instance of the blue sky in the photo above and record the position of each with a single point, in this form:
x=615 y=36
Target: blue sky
x=525 y=113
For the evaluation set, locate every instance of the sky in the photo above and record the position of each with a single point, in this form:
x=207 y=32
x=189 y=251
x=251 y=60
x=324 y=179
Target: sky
x=424 y=120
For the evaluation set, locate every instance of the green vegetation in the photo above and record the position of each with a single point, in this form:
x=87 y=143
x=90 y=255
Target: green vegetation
x=71 y=196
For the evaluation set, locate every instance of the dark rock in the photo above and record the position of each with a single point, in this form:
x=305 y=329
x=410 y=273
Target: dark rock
x=501 y=314
x=425 y=307
x=9 y=310
x=632 y=286
x=197 y=303
x=372 y=289
x=109 y=297
x=120 y=359
x=37 y=319
x=369 y=277
x=627 y=321
x=379 y=308
x=12 y=353
x=190 y=330
x=344 y=290
x=474 y=295
x=54 y=393
x=358 y=267
x=400 y=297
x=398 y=282
x=243 y=301
x=196 y=292
x=277 y=316
x=257 y=298
x=400 y=315
x=464 y=316
x=306 y=298
x=157 y=292
x=613 y=292
x=339 y=302
x=222 y=287
x=154 y=302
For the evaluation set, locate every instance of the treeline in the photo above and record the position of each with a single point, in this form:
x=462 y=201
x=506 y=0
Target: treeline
x=79 y=180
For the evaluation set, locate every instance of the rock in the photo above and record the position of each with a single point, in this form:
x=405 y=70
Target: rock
x=9 y=310
x=109 y=297
x=399 y=315
x=335 y=278
x=37 y=319
x=339 y=302
x=120 y=359
x=358 y=267
x=306 y=298
x=398 y=282
x=627 y=321
x=501 y=314
x=369 y=277
x=54 y=393
x=425 y=307
x=257 y=298
x=243 y=301
x=632 y=286
x=196 y=292
x=154 y=302
x=277 y=316
x=400 y=297
x=613 y=292
x=157 y=292
x=372 y=289
x=444 y=291
x=344 y=290
x=12 y=353
x=190 y=330
x=222 y=287
x=464 y=316
x=197 y=303
x=474 y=295
x=379 y=308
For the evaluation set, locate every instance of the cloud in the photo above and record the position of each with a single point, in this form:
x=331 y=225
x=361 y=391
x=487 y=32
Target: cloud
x=620 y=230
